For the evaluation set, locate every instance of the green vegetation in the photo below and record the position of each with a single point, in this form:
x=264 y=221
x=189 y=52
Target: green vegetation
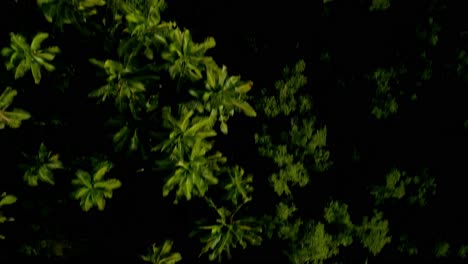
x=333 y=156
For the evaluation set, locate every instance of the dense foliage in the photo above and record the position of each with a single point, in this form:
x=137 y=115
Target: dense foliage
x=125 y=129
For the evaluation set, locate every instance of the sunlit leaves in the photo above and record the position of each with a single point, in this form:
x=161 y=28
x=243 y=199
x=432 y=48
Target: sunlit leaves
x=291 y=170
x=6 y=199
x=287 y=228
x=62 y=12
x=286 y=100
x=126 y=137
x=337 y=213
x=229 y=232
x=185 y=132
x=43 y=167
x=122 y=85
x=145 y=27
x=162 y=254
x=186 y=58
x=290 y=175
x=398 y=185
x=373 y=233
x=311 y=141
x=24 y=57
x=192 y=177
x=384 y=103
x=394 y=188
x=315 y=247
x=239 y=188
x=320 y=241
x=92 y=191
x=291 y=145
x=13 y=117
x=284 y=211
x=224 y=94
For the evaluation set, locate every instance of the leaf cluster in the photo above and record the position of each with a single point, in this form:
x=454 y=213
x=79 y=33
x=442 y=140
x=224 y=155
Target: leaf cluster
x=162 y=254
x=25 y=57
x=398 y=184
x=65 y=12
x=229 y=232
x=315 y=242
x=223 y=95
x=13 y=117
x=291 y=148
x=384 y=103
x=93 y=191
x=42 y=169
x=286 y=101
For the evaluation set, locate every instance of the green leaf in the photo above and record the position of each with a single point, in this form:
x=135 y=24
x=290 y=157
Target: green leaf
x=149 y=53
x=374 y=233
x=46 y=175
x=21 y=69
x=133 y=18
x=30 y=176
x=108 y=184
x=36 y=72
x=45 y=56
x=134 y=141
x=54 y=163
x=99 y=174
x=83 y=178
x=6 y=99
x=7 y=199
x=245 y=107
x=49 y=67
x=6 y=51
x=244 y=88
x=210 y=78
x=37 y=40
x=162 y=255
x=81 y=192
x=43 y=153
x=87 y=203
x=224 y=128
x=120 y=136
x=101 y=203
x=18 y=114
x=53 y=49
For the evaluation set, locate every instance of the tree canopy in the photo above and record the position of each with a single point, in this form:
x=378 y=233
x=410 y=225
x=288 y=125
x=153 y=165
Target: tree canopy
x=152 y=131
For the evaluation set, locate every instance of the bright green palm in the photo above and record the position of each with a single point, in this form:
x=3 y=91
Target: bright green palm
x=24 y=57
x=223 y=95
x=14 y=117
x=93 y=191
x=192 y=177
x=42 y=170
x=228 y=233
x=185 y=58
x=122 y=85
x=185 y=132
x=162 y=255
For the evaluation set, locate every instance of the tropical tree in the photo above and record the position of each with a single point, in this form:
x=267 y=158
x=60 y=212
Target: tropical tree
x=93 y=191
x=24 y=57
x=13 y=117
